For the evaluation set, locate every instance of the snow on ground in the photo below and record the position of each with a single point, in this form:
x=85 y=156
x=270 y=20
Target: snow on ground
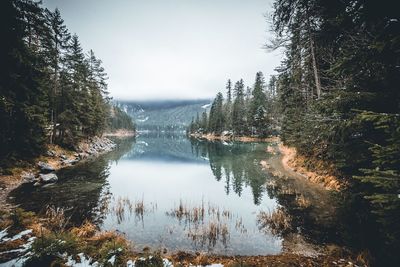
x=84 y=262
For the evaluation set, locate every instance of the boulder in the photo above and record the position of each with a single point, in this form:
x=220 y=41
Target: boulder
x=48 y=178
x=28 y=176
x=45 y=168
x=51 y=153
x=69 y=161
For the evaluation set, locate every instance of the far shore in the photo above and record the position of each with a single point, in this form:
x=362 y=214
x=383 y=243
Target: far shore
x=213 y=137
x=290 y=160
x=120 y=133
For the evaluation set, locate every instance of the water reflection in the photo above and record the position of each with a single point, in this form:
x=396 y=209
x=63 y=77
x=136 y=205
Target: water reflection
x=166 y=190
x=235 y=163
x=82 y=191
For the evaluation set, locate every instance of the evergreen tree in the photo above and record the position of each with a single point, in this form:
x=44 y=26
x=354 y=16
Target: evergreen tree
x=337 y=90
x=228 y=106
x=55 y=45
x=238 y=110
x=23 y=98
x=257 y=107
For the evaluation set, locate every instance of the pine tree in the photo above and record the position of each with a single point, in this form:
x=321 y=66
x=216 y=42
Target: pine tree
x=22 y=96
x=238 y=110
x=257 y=107
x=228 y=106
x=55 y=43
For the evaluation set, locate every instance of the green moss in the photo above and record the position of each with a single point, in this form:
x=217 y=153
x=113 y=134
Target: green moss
x=20 y=219
x=46 y=250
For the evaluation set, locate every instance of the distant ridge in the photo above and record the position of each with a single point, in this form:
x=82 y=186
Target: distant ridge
x=164 y=115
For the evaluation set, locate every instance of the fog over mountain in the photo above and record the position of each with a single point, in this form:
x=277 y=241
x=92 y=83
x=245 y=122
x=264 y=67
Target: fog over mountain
x=164 y=114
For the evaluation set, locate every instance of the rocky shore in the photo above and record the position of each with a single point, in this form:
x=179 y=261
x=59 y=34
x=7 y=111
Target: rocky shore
x=227 y=136
x=43 y=170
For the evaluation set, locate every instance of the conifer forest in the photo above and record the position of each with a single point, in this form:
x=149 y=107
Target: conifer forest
x=202 y=133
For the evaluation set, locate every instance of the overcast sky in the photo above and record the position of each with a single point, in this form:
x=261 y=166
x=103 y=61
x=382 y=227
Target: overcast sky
x=169 y=49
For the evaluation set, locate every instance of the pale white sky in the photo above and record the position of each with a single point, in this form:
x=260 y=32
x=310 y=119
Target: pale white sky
x=169 y=49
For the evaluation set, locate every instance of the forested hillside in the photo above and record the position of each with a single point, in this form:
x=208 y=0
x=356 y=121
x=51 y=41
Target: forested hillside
x=171 y=115
x=246 y=111
x=340 y=102
x=119 y=119
x=336 y=100
x=51 y=91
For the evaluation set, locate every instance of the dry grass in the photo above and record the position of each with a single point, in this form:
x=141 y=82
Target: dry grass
x=189 y=214
x=56 y=219
x=278 y=221
x=302 y=201
x=210 y=233
x=316 y=171
x=123 y=206
x=87 y=230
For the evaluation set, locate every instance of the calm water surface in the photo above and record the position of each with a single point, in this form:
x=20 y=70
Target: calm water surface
x=166 y=191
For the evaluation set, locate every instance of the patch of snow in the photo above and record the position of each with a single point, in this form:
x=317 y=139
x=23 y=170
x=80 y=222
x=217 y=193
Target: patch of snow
x=205 y=158
x=84 y=262
x=3 y=233
x=14 y=262
x=22 y=249
x=211 y=265
x=206 y=106
x=112 y=260
x=167 y=263
x=21 y=234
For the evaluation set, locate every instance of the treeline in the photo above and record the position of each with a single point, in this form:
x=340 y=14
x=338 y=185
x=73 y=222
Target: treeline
x=244 y=111
x=338 y=90
x=119 y=120
x=50 y=90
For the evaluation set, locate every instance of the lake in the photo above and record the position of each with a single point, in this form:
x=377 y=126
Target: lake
x=165 y=191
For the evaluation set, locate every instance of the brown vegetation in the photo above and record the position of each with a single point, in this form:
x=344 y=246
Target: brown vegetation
x=318 y=172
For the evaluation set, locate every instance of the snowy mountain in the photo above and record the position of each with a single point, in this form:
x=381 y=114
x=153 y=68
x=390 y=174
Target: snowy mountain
x=164 y=115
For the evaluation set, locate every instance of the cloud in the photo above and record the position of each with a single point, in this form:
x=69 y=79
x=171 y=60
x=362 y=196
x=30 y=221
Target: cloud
x=170 y=49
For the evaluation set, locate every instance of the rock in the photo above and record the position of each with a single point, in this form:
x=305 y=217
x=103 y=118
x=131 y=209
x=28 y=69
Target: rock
x=48 y=178
x=69 y=161
x=45 y=168
x=51 y=153
x=83 y=155
x=28 y=176
x=63 y=156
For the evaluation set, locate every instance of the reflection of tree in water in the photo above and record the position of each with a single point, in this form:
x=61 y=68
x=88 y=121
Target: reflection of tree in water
x=82 y=191
x=237 y=163
x=311 y=212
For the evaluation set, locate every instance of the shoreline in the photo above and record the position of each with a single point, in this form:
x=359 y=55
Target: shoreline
x=120 y=133
x=285 y=258
x=34 y=227
x=291 y=161
x=212 y=137
x=57 y=158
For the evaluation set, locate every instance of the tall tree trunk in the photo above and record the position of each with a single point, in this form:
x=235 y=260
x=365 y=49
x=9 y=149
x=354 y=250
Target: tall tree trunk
x=315 y=68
